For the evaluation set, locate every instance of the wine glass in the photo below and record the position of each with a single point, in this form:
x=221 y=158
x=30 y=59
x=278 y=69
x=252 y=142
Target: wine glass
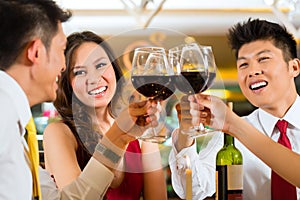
x=209 y=60
x=195 y=71
x=152 y=77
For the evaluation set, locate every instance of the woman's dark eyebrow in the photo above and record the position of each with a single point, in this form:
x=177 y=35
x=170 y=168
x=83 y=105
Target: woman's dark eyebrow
x=78 y=67
x=98 y=60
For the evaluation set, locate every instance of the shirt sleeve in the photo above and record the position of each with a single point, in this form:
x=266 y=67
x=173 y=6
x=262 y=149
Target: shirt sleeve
x=202 y=165
x=92 y=183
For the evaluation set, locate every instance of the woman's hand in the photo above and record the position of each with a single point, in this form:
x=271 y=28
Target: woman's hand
x=130 y=123
x=138 y=117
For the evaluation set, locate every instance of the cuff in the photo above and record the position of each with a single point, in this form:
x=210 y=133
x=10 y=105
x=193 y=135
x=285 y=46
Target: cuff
x=190 y=151
x=97 y=175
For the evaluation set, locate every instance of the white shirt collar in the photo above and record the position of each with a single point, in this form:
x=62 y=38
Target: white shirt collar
x=292 y=116
x=268 y=121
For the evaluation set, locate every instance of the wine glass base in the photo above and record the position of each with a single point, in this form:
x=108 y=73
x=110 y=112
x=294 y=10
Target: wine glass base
x=196 y=132
x=154 y=139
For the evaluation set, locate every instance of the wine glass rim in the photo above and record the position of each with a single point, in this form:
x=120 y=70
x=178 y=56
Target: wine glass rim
x=178 y=48
x=205 y=47
x=151 y=48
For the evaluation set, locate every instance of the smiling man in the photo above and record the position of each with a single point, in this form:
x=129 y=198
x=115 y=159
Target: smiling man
x=31 y=60
x=267 y=65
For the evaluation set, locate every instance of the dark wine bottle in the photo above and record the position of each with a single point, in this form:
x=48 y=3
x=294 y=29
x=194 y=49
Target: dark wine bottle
x=229 y=171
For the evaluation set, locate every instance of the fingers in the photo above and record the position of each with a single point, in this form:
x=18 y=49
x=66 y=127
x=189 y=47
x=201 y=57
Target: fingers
x=138 y=108
x=200 y=109
x=218 y=112
x=196 y=106
x=145 y=120
x=143 y=108
x=202 y=99
x=144 y=115
x=183 y=109
x=183 y=112
x=202 y=115
x=138 y=114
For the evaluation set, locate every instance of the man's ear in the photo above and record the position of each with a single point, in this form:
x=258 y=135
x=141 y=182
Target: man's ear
x=296 y=67
x=34 y=50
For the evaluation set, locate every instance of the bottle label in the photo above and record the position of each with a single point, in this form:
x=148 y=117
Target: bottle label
x=235 y=177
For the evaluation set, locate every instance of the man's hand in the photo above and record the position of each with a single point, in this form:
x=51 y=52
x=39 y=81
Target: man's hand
x=185 y=122
x=211 y=111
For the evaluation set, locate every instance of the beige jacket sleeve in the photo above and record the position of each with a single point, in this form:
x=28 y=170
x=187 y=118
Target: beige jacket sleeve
x=92 y=184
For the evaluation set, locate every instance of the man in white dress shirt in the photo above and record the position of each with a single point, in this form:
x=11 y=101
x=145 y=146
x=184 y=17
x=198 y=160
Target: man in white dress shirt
x=31 y=60
x=267 y=64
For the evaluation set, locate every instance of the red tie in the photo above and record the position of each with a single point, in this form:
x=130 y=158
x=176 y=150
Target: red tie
x=280 y=188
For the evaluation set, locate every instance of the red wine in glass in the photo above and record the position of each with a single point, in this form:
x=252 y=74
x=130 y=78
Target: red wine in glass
x=209 y=81
x=155 y=87
x=191 y=82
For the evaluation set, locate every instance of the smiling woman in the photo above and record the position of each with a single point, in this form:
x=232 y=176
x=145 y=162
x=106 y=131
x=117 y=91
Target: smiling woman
x=86 y=90
x=90 y=84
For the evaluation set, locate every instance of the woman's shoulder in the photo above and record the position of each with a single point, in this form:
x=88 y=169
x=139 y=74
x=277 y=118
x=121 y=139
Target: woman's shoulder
x=56 y=128
x=58 y=131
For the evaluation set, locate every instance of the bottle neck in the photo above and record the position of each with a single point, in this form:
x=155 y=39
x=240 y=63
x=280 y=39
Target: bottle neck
x=228 y=140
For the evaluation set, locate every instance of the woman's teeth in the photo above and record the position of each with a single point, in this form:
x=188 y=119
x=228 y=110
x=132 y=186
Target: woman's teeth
x=97 y=91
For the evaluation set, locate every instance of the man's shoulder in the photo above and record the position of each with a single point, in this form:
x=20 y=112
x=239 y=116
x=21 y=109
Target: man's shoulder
x=7 y=103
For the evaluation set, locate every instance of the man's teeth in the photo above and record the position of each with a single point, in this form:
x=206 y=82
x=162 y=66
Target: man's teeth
x=97 y=91
x=258 y=85
x=56 y=79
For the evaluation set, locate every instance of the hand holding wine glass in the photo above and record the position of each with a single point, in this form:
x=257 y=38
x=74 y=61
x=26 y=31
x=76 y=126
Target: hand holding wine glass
x=152 y=77
x=137 y=117
x=195 y=72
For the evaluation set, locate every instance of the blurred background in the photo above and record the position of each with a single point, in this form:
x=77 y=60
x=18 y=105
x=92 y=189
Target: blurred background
x=122 y=22
x=128 y=24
